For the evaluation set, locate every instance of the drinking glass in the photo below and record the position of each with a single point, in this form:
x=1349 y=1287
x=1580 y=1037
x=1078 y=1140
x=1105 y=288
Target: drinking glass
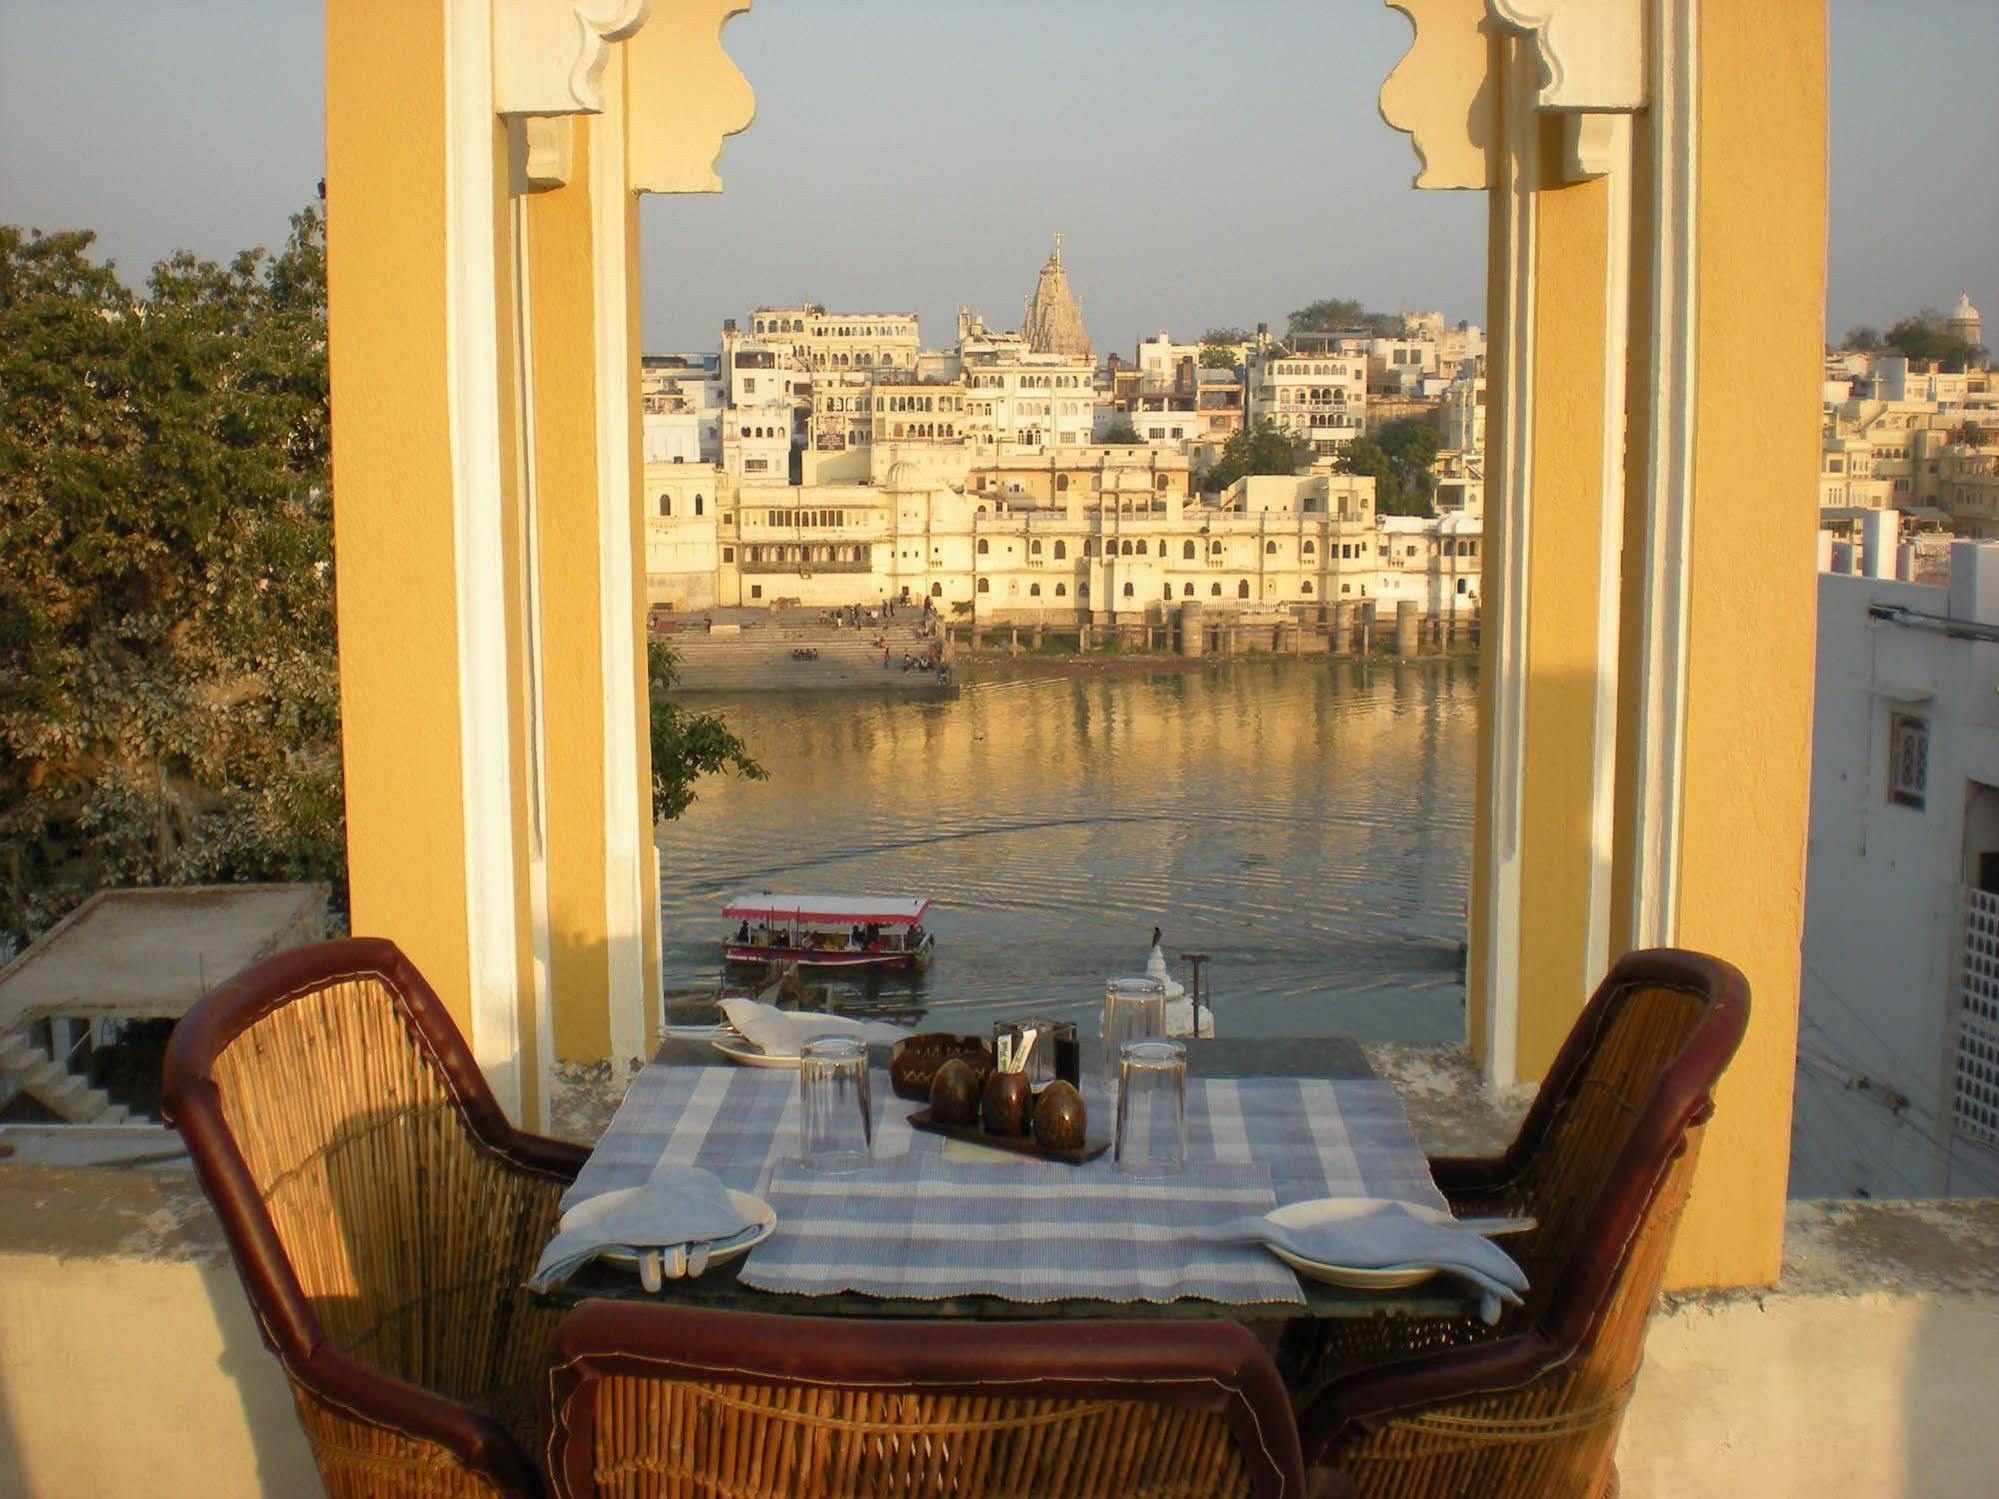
x=836 y=1116
x=1134 y=1010
x=1152 y=1108
x=1047 y=1044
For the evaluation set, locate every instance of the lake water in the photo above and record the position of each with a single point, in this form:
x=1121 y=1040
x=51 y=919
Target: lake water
x=1305 y=823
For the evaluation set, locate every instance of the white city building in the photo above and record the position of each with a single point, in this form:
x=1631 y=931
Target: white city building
x=1320 y=401
x=1898 y=1048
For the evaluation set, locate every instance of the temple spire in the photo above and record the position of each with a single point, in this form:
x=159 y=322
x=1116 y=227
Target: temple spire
x=1054 y=317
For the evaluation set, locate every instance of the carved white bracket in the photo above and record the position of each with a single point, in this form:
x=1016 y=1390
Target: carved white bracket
x=1592 y=51
x=685 y=97
x=1589 y=144
x=549 y=55
x=1444 y=92
x=545 y=150
x=1441 y=93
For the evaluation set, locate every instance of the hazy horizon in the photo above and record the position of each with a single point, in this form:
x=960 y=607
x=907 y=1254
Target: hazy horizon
x=910 y=159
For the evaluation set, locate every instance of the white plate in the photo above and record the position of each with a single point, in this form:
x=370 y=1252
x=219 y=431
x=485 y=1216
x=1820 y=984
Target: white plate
x=753 y=1208
x=752 y=1056
x=1338 y=1210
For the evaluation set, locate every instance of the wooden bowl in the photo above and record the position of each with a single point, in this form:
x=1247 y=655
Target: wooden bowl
x=914 y=1060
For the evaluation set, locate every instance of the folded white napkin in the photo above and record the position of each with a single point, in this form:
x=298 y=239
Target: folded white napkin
x=682 y=1207
x=1392 y=1237
x=782 y=1032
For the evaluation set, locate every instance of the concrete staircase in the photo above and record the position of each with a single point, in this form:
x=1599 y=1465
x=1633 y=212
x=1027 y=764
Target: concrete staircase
x=759 y=659
x=50 y=1083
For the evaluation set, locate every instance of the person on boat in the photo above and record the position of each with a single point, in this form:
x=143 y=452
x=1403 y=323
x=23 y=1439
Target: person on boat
x=743 y=931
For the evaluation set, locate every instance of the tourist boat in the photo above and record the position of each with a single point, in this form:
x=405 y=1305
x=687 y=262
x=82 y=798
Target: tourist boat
x=829 y=931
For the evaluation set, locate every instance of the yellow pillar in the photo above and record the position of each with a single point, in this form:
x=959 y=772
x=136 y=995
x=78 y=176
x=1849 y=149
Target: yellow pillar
x=1732 y=836
x=482 y=161
x=1559 y=293
x=423 y=511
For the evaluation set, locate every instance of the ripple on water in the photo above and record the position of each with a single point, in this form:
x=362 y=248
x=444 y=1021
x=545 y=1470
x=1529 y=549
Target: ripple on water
x=1307 y=824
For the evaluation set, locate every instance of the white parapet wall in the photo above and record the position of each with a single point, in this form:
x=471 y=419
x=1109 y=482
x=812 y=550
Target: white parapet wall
x=129 y=1362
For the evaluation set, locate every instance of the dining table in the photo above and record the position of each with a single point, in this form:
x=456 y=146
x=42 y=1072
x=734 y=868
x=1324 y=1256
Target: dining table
x=935 y=1228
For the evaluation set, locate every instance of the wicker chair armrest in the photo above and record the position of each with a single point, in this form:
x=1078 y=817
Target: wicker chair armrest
x=481 y=1446
x=1446 y=1377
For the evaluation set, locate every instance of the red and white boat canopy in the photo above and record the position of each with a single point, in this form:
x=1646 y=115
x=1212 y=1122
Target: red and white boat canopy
x=825 y=910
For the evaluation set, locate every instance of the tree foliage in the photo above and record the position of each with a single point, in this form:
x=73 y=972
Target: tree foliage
x=1925 y=337
x=168 y=699
x=1397 y=456
x=1862 y=339
x=1219 y=345
x=685 y=745
x=1264 y=448
x=1121 y=432
x=1338 y=314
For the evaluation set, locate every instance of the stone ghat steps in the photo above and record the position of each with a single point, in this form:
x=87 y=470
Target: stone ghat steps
x=761 y=661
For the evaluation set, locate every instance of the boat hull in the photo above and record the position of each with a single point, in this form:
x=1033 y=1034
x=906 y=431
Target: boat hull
x=812 y=957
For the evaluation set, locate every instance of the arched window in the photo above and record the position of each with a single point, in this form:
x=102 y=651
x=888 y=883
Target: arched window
x=985 y=585
x=937 y=590
x=1242 y=588
x=1309 y=548
x=666 y=504
x=697 y=504
x=1034 y=590
x=1061 y=550
x=1270 y=548
x=1169 y=591
x=1061 y=590
x=1308 y=586
x=1186 y=551
x=1125 y=550
x=1186 y=590
x=983 y=548
x=1127 y=590
x=1215 y=590
x=1061 y=483
x=1160 y=483
x=1082 y=590
x=1162 y=546
x=1214 y=549
x=1034 y=549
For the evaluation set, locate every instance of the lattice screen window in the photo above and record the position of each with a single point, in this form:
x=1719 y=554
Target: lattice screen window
x=1975 y=1111
x=1908 y=759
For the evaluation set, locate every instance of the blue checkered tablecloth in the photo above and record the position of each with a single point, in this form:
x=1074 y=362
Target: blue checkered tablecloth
x=934 y=1218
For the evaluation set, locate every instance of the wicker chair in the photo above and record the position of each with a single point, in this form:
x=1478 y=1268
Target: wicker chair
x=382 y=1213
x=1603 y=1161
x=652 y=1401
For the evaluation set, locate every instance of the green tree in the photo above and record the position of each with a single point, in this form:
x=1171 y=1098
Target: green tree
x=1862 y=339
x=1924 y=337
x=1264 y=448
x=686 y=745
x=1397 y=456
x=1218 y=347
x=1337 y=314
x=169 y=706
x=1121 y=432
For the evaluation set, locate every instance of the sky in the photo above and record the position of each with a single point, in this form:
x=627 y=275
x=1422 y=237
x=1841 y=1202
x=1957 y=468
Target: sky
x=1209 y=161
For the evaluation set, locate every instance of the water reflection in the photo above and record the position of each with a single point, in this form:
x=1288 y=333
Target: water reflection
x=1307 y=824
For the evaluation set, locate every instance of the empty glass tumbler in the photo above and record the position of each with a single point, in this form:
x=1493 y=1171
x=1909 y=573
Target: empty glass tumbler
x=836 y=1117
x=1152 y=1108
x=1134 y=1010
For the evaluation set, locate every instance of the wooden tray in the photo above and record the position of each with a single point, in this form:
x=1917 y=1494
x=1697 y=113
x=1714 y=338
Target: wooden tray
x=1089 y=1150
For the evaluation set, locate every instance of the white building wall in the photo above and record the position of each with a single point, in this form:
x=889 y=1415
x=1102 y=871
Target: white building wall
x=1885 y=883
